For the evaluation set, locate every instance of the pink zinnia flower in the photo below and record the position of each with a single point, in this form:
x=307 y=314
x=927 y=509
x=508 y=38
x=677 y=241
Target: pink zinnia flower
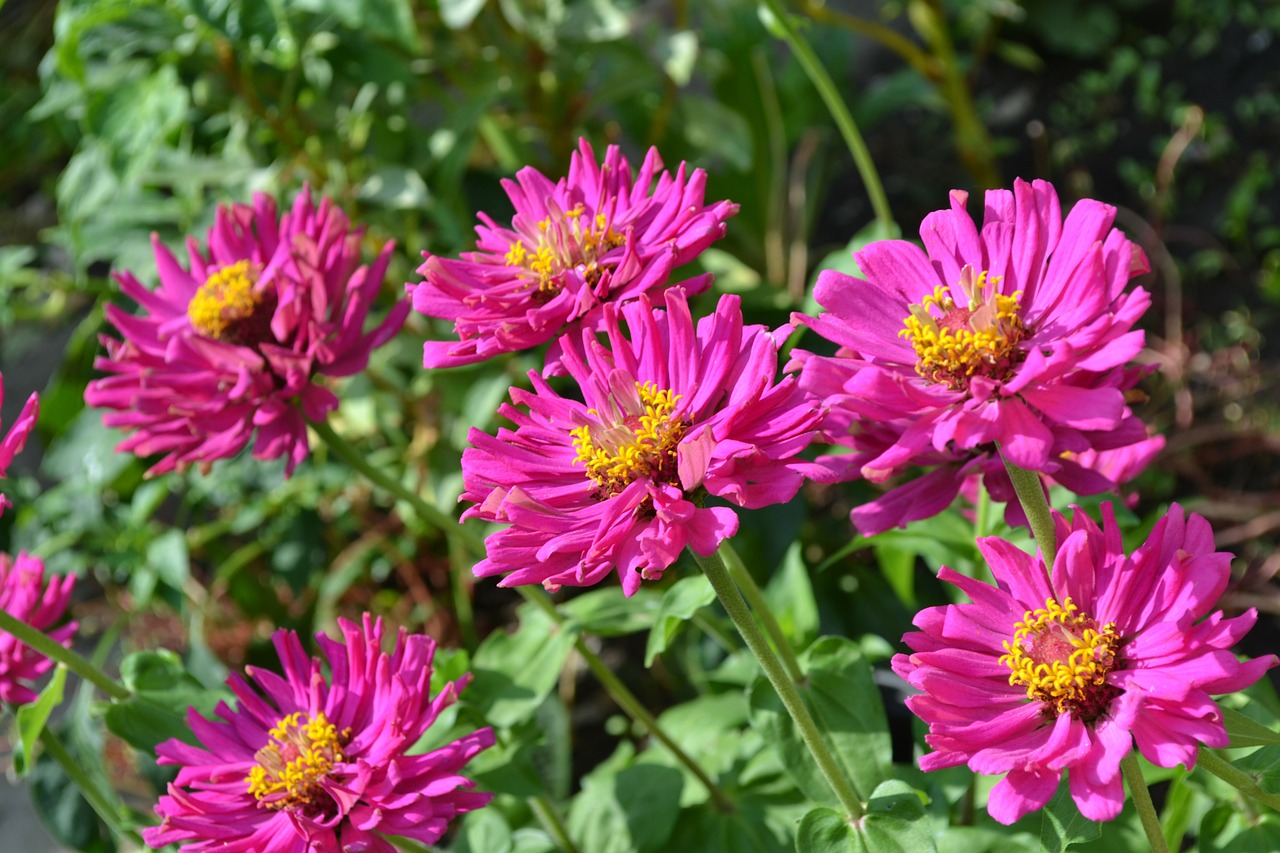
x=311 y=763
x=1015 y=336
x=25 y=596
x=598 y=236
x=1066 y=672
x=11 y=443
x=671 y=413
x=234 y=344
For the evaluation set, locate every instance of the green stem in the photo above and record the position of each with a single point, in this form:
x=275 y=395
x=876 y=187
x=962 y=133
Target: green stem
x=1237 y=778
x=839 y=111
x=1036 y=506
x=551 y=822
x=760 y=607
x=99 y=802
x=628 y=702
x=731 y=599
x=425 y=511
x=1142 y=801
x=973 y=143
x=52 y=649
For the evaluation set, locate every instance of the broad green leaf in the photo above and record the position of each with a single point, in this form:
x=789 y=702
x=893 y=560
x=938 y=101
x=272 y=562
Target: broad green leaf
x=167 y=557
x=484 y=831
x=747 y=829
x=845 y=704
x=1225 y=829
x=972 y=839
x=1062 y=825
x=608 y=612
x=515 y=672
x=1264 y=766
x=632 y=811
x=894 y=822
x=790 y=593
x=685 y=597
x=1245 y=731
x=458 y=14
x=143 y=724
x=32 y=718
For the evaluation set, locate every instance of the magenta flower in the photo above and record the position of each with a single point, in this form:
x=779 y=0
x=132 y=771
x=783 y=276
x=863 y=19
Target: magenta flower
x=234 y=344
x=319 y=764
x=1045 y=674
x=11 y=443
x=1013 y=336
x=25 y=596
x=671 y=413
x=598 y=236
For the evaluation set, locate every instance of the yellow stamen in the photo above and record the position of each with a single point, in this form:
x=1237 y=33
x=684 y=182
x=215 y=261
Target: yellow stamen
x=564 y=243
x=642 y=443
x=956 y=344
x=225 y=300
x=302 y=752
x=1062 y=658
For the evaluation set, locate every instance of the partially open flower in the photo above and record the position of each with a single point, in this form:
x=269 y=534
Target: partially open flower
x=671 y=413
x=26 y=596
x=322 y=763
x=595 y=237
x=1013 y=336
x=235 y=343
x=12 y=442
x=1047 y=673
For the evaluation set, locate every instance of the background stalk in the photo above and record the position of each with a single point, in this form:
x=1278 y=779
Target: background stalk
x=1142 y=801
x=1036 y=506
x=55 y=651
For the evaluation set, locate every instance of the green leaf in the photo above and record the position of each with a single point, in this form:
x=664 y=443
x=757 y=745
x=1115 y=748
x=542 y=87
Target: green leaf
x=1224 y=829
x=32 y=718
x=1245 y=731
x=845 y=703
x=685 y=597
x=970 y=839
x=64 y=811
x=633 y=811
x=1062 y=825
x=608 y=612
x=167 y=557
x=484 y=831
x=458 y=14
x=1264 y=766
x=515 y=672
x=895 y=822
x=747 y=829
x=164 y=690
x=790 y=593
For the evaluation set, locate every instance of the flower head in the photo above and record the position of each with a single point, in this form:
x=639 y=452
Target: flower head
x=11 y=443
x=234 y=343
x=315 y=763
x=1015 y=336
x=596 y=237
x=671 y=413
x=1066 y=671
x=25 y=596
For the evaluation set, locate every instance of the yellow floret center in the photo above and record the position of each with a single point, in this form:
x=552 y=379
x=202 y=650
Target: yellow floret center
x=303 y=749
x=639 y=440
x=1062 y=657
x=954 y=344
x=570 y=240
x=226 y=303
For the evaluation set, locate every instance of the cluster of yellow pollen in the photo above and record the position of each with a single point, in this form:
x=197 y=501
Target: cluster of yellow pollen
x=1062 y=658
x=958 y=343
x=642 y=444
x=566 y=243
x=302 y=751
x=224 y=301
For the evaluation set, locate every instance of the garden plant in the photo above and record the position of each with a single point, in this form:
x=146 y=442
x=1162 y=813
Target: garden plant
x=608 y=427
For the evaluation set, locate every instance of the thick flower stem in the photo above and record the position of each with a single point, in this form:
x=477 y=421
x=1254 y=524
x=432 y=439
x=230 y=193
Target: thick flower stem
x=760 y=607
x=628 y=702
x=99 y=802
x=1036 y=506
x=839 y=111
x=731 y=599
x=426 y=512
x=55 y=651
x=550 y=821
x=1142 y=801
x=1236 y=778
